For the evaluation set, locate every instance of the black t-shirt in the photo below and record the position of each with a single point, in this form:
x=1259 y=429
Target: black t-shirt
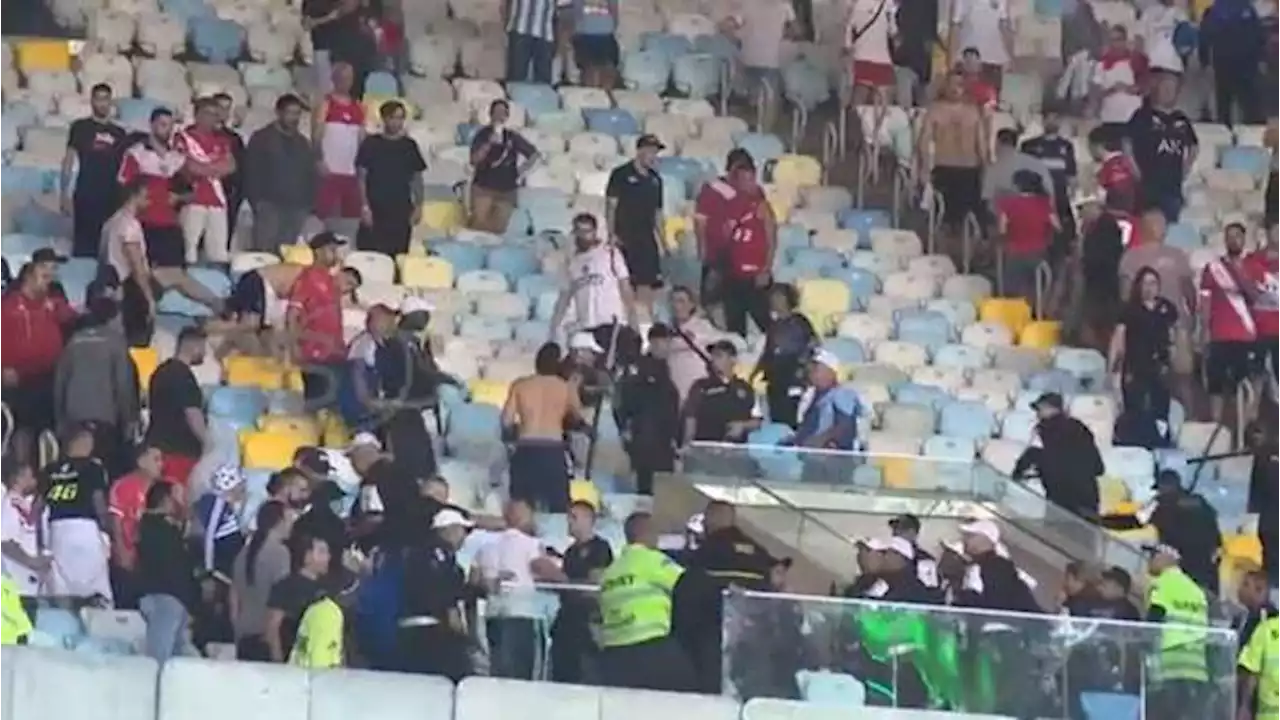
x=1160 y=142
x=340 y=35
x=98 y=146
x=433 y=581
x=173 y=391
x=714 y=403
x=639 y=196
x=579 y=560
x=292 y=596
x=68 y=487
x=1148 y=333
x=499 y=169
x=390 y=164
x=1058 y=155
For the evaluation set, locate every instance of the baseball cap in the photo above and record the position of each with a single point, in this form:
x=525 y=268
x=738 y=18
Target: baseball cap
x=985 y=528
x=450 y=518
x=364 y=439
x=826 y=358
x=649 y=140
x=739 y=159
x=893 y=544
x=326 y=239
x=1154 y=549
x=584 y=340
x=906 y=521
x=723 y=346
x=313 y=460
x=1050 y=399
x=416 y=303
x=47 y=255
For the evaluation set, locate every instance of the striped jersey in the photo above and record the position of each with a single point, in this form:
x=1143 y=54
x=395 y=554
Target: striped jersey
x=343 y=127
x=535 y=18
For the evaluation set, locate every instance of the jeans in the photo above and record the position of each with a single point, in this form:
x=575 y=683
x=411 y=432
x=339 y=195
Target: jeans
x=524 y=51
x=513 y=647
x=167 y=621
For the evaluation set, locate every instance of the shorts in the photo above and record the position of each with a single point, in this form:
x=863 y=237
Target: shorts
x=961 y=191
x=177 y=467
x=644 y=265
x=595 y=51
x=873 y=74
x=80 y=553
x=338 y=197
x=166 y=246
x=1230 y=362
x=540 y=474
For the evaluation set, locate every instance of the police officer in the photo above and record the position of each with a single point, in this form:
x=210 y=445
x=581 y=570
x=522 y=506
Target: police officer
x=1181 y=671
x=1186 y=522
x=431 y=639
x=636 y=647
x=907 y=527
x=649 y=411
x=720 y=408
x=74 y=490
x=572 y=647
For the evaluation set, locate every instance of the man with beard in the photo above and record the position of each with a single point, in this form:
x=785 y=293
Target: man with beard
x=95 y=143
x=599 y=291
x=1233 y=334
x=1164 y=145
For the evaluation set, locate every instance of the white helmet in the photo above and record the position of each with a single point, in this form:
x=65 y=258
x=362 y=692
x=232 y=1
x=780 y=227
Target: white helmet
x=227 y=478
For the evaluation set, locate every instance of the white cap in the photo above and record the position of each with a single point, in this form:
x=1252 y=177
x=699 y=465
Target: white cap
x=416 y=303
x=825 y=357
x=893 y=544
x=450 y=518
x=985 y=528
x=696 y=524
x=363 y=439
x=585 y=341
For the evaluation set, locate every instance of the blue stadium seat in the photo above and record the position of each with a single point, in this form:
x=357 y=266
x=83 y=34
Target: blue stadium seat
x=863 y=285
x=819 y=261
x=21 y=114
x=518 y=225
x=175 y=303
x=848 y=350
x=1183 y=236
x=463 y=257
x=1059 y=381
x=805 y=84
x=217 y=40
x=381 y=83
x=863 y=221
x=28 y=180
x=1251 y=160
x=967 y=419
x=553 y=218
x=533 y=332
x=915 y=394
x=718 y=45
x=17 y=248
x=62 y=626
x=528 y=197
x=691 y=170
x=763 y=147
x=665 y=44
x=957 y=355
x=790 y=239
x=241 y=406
x=534 y=284
x=467 y=132
x=535 y=98
x=675 y=193
x=472 y=420
x=646 y=70
x=514 y=261
x=611 y=121
x=37 y=219
x=925 y=327
x=697 y=75
x=485 y=328
x=75 y=276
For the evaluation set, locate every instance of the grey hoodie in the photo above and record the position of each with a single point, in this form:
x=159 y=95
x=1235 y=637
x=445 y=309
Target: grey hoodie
x=95 y=379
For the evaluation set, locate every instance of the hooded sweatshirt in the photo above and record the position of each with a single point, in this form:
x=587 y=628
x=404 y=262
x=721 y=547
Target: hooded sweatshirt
x=95 y=379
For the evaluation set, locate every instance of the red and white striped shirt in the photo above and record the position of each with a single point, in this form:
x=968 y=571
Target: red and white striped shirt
x=343 y=128
x=204 y=148
x=157 y=164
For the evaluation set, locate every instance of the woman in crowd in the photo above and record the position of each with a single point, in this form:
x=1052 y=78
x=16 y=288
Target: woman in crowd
x=1141 y=346
x=262 y=563
x=786 y=353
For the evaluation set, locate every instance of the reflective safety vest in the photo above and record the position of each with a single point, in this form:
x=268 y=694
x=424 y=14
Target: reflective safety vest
x=14 y=623
x=1182 y=649
x=1261 y=657
x=635 y=597
x=319 y=643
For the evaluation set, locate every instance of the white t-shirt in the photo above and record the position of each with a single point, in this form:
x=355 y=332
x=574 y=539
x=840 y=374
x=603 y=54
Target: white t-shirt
x=763 y=24
x=16 y=526
x=593 y=280
x=120 y=230
x=875 y=26
x=979 y=27
x=508 y=557
x=1116 y=107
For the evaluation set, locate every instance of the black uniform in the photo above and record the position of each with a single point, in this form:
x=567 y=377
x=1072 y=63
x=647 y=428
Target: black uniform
x=714 y=402
x=433 y=586
x=639 y=196
x=1187 y=522
x=572 y=647
x=650 y=411
x=68 y=487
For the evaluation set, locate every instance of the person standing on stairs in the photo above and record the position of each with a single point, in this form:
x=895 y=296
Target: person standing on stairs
x=96 y=143
x=751 y=235
x=635 y=219
x=538 y=409
x=952 y=152
x=337 y=130
x=389 y=166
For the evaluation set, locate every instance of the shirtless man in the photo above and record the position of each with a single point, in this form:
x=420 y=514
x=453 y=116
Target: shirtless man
x=538 y=409
x=953 y=150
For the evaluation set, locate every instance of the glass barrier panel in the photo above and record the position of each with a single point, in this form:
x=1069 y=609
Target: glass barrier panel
x=862 y=653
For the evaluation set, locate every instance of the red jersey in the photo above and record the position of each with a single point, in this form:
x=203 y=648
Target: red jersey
x=1130 y=228
x=1028 y=219
x=710 y=207
x=1118 y=178
x=982 y=93
x=315 y=298
x=157 y=164
x=204 y=148
x=31 y=329
x=748 y=249
x=1230 y=319
x=1263 y=270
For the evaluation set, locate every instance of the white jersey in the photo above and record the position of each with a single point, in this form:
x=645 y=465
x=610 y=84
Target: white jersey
x=594 y=276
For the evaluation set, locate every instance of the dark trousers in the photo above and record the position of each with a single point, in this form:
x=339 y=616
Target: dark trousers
x=90 y=212
x=389 y=234
x=124 y=589
x=742 y=298
x=1015 y=691
x=961 y=191
x=513 y=647
x=783 y=404
x=1267 y=536
x=321 y=384
x=654 y=665
x=433 y=650
x=1236 y=83
x=529 y=58
x=253 y=648
x=1146 y=390
x=135 y=314
x=573 y=651
x=540 y=474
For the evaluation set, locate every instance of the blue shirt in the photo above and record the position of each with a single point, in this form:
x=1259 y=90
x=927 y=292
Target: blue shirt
x=828 y=407
x=595 y=17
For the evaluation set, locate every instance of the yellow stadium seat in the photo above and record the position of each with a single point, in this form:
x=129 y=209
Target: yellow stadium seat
x=432 y=273
x=293 y=379
x=264 y=450
x=672 y=227
x=824 y=301
x=488 y=392
x=797 y=171
x=1013 y=313
x=1111 y=493
x=1243 y=549
x=1128 y=507
x=585 y=491
x=296 y=254
x=145 y=360
x=896 y=471
x=246 y=371
x=444 y=215
x=304 y=427
x=743 y=371
x=782 y=198
x=941 y=60
x=42 y=55
x=333 y=431
x=1041 y=335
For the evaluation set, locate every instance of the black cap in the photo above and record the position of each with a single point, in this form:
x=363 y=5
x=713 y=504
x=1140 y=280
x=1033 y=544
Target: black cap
x=906 y=521
x=1049 y=399
x=723 y=346
x=326 y=239
x=1167 y=480
x=739 y=159
x=649 y=140
x=313 y=460
x=47 y=255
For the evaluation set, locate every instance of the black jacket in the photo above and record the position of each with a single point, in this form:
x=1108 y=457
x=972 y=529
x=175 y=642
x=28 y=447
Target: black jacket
x=995 y=585
x=1069 y=464
x=650 y=411
x=164 y=565
x=730 y=557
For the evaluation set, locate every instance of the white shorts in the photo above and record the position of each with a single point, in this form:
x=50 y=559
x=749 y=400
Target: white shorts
x=80 y=559
x=210 y=224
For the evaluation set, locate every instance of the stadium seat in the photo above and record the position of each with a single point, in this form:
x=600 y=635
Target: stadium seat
x=262 y=373
x=967 y=419
x=442 y=215
x=431 y=273
x=908 y=420
x=240 y=405
x=1041 y=335
x=925 y=395
x=269 y=450
x=301 y=426
x=145 y=360
x=298 y=254
x=1013 y=313
x=32 y=56
x=824 y=302
x=487 y=392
